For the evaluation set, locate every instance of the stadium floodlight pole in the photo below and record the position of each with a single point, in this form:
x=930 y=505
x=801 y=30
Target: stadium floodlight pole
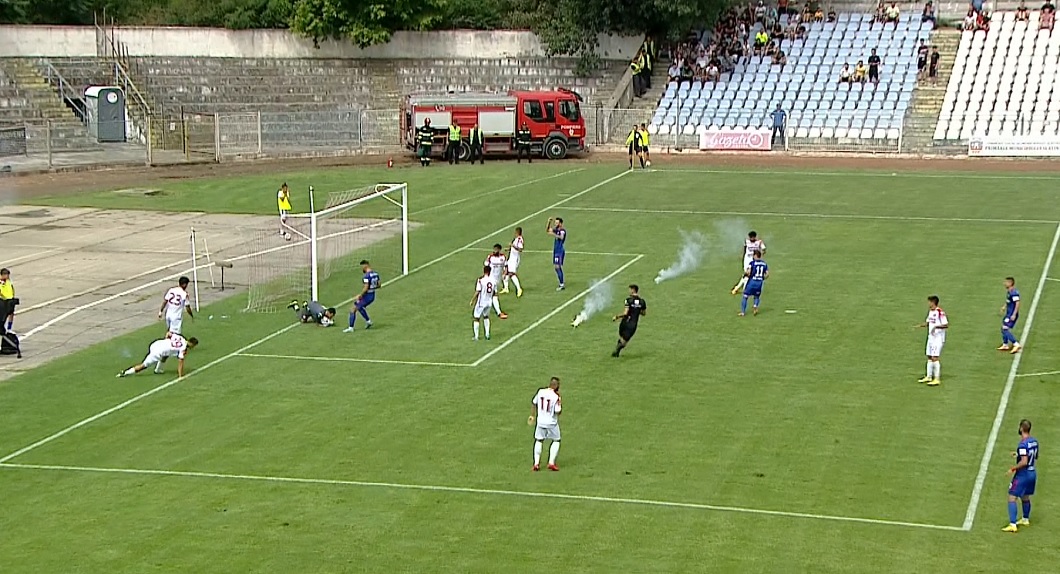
x=313 y=248
x=195 y=270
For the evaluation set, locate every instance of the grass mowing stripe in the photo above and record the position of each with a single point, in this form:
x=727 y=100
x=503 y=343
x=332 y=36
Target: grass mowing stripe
x=807 y=215
x=486 y=491
x=353 y=360
x=999 y=418
x=852 y=173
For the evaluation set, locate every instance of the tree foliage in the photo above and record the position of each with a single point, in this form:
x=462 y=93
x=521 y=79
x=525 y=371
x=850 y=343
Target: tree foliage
x=363 y=22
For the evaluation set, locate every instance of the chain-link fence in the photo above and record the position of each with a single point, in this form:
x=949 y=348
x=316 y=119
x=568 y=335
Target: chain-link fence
x=609 y=126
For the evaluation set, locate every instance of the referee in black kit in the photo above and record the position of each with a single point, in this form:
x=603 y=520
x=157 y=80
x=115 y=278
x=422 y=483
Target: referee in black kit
x=634 y=309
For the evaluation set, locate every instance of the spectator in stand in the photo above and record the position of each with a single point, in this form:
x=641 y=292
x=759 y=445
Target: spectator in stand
x=928 y=15
x=780 y=59
x=674 y=73
x=800 y=32
x=1022 y=13
x=760 y=11
x=860 y=72
x=881 y=12
x=933 y=67
x=782 y=7
x=970 y=20
x=845 y=76
x=687 y=73
x=807 y=13
x=818 y=14
x=893 y=14
x=874 y=67
x=761 y=41
x=713 y=73
x=831 y=15
x=778 y=33
x=1048 y=16
x=983 y=21
x=780 y=121
x=921 y=59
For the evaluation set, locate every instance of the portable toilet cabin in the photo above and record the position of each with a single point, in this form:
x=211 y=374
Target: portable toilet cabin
x=105 y=111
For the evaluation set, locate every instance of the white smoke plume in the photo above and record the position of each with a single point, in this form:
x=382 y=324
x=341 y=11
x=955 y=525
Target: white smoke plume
x=731 y=234
x=597 y=300
x=689 y=257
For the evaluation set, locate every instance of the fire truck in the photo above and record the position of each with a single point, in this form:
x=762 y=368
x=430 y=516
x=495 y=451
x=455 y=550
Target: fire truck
x=554 y=118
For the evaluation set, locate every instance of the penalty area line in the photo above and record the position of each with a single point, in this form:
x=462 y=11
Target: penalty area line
x=1042 y=374
x=852 y=216
x=352 y=360
x=478 y=491
x=552 y=314
x=544 y=251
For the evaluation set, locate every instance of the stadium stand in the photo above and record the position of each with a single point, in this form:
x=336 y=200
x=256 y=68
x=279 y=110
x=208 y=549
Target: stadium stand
x=27 y=99
x=821 y=110
x=1003 y=82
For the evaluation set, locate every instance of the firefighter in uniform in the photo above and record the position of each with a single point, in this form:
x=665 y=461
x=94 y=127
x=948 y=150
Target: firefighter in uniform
x=452 y=150
x=523 y=144
x=425 y=138
x=475 y=141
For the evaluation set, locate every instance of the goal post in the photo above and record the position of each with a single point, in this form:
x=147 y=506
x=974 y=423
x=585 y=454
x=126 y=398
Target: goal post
x=369 y=223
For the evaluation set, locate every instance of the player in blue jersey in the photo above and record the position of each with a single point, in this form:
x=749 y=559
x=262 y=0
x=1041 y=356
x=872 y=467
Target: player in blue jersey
x=1024 y=476
x=366 y=297
x=559 y=236
x=1010 y=314
x=757 y=273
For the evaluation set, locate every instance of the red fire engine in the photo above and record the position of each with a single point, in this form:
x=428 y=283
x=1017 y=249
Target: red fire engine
x=554 y=118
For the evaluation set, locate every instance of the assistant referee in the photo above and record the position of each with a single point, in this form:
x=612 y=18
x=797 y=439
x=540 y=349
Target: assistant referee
x=7 y=300
x=635 y=308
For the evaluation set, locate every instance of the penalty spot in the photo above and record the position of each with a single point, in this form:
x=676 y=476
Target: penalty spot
x=791 y=311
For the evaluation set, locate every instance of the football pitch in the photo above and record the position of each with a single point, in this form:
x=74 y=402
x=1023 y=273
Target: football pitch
x=797 y=440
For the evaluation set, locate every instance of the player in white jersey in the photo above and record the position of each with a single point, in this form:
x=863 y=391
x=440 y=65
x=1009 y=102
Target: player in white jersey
x=936 y=324
x=162 y=349
x=545 y=409
x=482 y=301
x=498 y=264
x=750 y=245
x=174 y=305
x=515 y=254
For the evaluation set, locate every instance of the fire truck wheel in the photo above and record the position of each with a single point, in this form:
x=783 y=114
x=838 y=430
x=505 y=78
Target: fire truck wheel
x=555 y=148
x=465 y=151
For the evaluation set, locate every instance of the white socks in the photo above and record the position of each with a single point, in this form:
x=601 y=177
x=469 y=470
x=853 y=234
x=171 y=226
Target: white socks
x=938 y=368
x=933 y=369
x=553 y=451
x=486 y=325
x=537 y=453
x=504 y=282
x=130 y=371
x=515 y=279
x=475 y=323
x=497 y=305
x=742 y=283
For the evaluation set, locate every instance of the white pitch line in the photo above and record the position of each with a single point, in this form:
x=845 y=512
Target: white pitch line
x=1042 y=374
x=353 y=360
x=495 y=191
x=551 y=314
x=807 y=215
x=909 y=174
x=481 y=491
x=141 y=396
x=1052 y=279
x=999 y=418
x=545 y=251
x=10 y=262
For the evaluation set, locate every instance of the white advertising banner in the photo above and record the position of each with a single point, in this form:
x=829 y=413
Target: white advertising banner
x=736 y=140
x=1014 y=146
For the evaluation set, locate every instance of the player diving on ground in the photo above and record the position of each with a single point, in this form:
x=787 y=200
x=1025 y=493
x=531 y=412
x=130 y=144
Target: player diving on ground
x=162 y=349
x=313 y=312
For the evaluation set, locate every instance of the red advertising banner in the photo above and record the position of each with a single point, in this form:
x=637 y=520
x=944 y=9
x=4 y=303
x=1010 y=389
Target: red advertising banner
x=736 y=140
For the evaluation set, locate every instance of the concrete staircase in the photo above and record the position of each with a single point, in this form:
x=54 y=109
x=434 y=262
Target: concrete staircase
x=923 y=115
x=41 y=106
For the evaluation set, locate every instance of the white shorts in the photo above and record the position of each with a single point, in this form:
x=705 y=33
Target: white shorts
x=747 y=262
x=482 y=311
x=934 y=347
x=174 y=324
x=283 y=215
x=547 y=433
x=513 y=266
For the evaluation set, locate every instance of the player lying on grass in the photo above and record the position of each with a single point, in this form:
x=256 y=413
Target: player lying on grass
x=314 y=312
x=162 y=349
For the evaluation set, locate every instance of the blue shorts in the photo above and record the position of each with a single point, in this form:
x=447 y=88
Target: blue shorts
x=557 y=258
x=365 y=300
x=753 y=289
x=1006 y=324
x=1022 y=485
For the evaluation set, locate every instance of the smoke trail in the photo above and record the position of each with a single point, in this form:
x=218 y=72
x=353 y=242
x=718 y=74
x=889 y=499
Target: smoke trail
x=597 y=300
x=689 y=258
x=731 y=234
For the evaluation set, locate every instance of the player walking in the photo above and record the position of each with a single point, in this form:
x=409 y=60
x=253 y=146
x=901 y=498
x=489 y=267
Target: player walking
x=482 y=301
x=175 y=303
x=559 y=235
x=283 y=203
x=936 y=324
x=1010 y=314
x=515 y=254
x=497 y=263
x=750 y=245
x=546 y=408
x=755 y=277
x=162 y=349
x=370 y=283
x=1024 y=476
x=314 y=312
x=635 y=308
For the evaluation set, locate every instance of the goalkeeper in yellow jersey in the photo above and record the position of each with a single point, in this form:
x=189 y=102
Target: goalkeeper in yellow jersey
x=645 y=141
x=283 y=203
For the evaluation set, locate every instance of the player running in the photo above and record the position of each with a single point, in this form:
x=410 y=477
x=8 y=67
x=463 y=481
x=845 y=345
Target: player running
x=314 y=312
x=482 y=301
x=162 y=349
x=515 y=254
x=497 y=263
x=936 y=324
x=750 y=245
x=755 y=277
x=546 y=408
x=1010 y=314
x=366 y=297
x=175 y=303
x=559 y=252
x=635 y=308
x=1023 y=478
x=283 y=203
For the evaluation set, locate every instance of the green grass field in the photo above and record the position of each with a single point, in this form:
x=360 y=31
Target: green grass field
x=786 y=442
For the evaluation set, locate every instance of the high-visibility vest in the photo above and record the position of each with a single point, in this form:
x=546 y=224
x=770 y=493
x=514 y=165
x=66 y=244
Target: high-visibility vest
x=647 y=59
x=475 y=136
x=454 y=133
x=635 y=67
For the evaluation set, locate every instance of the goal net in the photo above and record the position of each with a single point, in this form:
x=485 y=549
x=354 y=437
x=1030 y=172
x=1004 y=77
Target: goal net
x=321 y=259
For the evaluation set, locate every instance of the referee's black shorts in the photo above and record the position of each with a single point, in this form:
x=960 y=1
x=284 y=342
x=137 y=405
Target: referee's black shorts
x=634 y=148
x=626 y=332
